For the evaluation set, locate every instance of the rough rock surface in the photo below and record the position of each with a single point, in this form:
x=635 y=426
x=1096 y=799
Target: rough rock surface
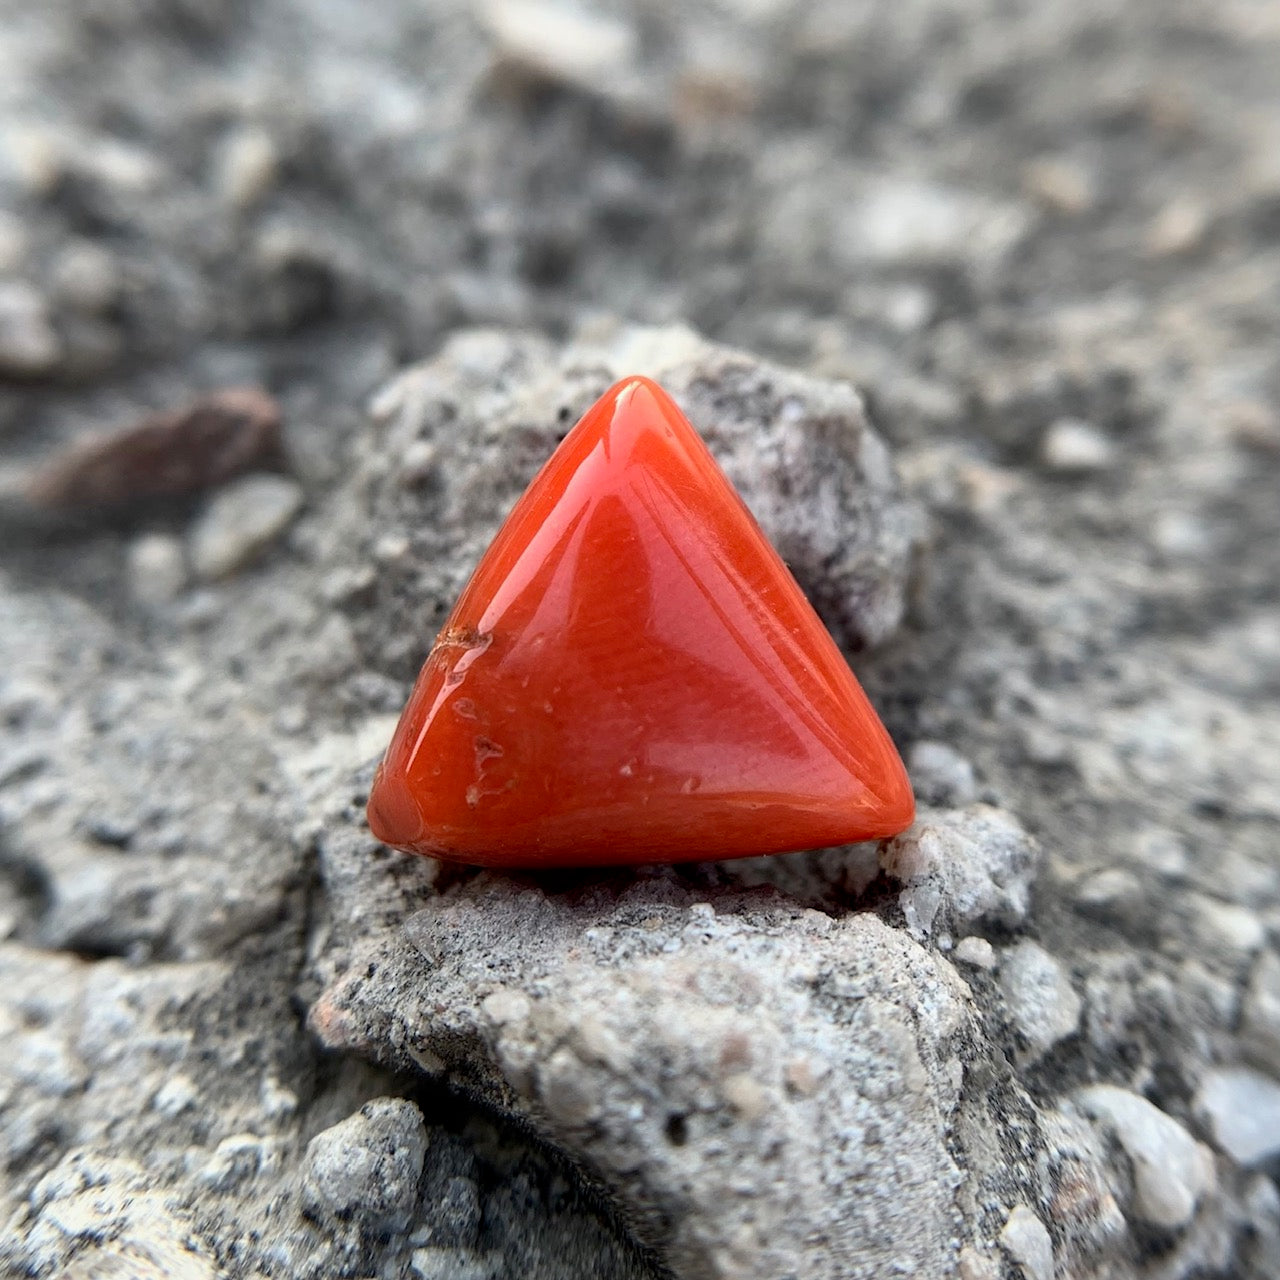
x=1040 y=242
x=768 y=1090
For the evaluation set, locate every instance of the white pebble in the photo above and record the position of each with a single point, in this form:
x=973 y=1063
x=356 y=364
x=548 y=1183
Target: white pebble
x=175 y=1096
x=87 y=277
x=1171 y=1170
x=561 y=42
x=1042 y=1003
x=240 y=522
x=1261 y=1022
x=1242 y=1109
x=29 y=345
x=975 y=952
x=1026 y=1240
x=1074 y=447
x=157 y=568
x=247 y=167
x=1111 y=891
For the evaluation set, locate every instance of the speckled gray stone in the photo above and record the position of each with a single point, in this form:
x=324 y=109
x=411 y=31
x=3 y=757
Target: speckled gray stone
x=367 y=1168
x=961 y=868
x=1043 y=1005
x=697 y=1054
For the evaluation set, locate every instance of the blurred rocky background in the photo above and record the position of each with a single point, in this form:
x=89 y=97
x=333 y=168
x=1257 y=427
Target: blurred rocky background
x=294 y=298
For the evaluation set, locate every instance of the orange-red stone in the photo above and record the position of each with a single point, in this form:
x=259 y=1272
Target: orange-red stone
x=633 y=675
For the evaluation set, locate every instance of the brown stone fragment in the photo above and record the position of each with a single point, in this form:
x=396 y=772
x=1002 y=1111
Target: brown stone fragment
x=166 y=455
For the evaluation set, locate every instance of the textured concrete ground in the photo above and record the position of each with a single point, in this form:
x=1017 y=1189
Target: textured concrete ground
x=1038 y=1035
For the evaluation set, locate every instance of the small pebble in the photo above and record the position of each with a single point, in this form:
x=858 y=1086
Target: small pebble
x=744 y=1093
x=1164 y=851
x=236 y=1160
x=1224 y=928
x=392 y=549
x=278 y=1102
x=157 y=568
x=962 y=866
x=453 y=1264
x=940 y=774
x=1059 y=185
x=1180 y=535
x=163 y=455
x=1242 y=1110
x=29 y=345
x=87 y=278
x=976 y=952
x=241 y=522
x=13 y=241
x=417 y=463
x=367 y=1167
x=1072 y=447
x=1042 y=1003
x=37 y=155
x=975 y=1265
x=506 y=1005
x=247 y=167
x=909 y=308
x=1260 y=1029
x=1026 y=1240
x=1171 y=1170
x=561 y=43
x=1178 y=228
x=1110 y=893
x=175 y=1096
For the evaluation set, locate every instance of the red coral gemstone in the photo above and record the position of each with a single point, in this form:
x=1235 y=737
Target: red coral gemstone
x=633 y=675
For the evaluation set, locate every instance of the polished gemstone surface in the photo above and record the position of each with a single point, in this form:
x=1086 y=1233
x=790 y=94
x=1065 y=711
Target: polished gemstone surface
x=633 y=675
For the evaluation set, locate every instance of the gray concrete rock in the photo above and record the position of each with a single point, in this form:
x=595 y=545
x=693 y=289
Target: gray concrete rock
x=102 y=1212
x=697 y=1055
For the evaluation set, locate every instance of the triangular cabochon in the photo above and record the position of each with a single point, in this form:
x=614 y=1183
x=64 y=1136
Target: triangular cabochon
x=633 y=675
